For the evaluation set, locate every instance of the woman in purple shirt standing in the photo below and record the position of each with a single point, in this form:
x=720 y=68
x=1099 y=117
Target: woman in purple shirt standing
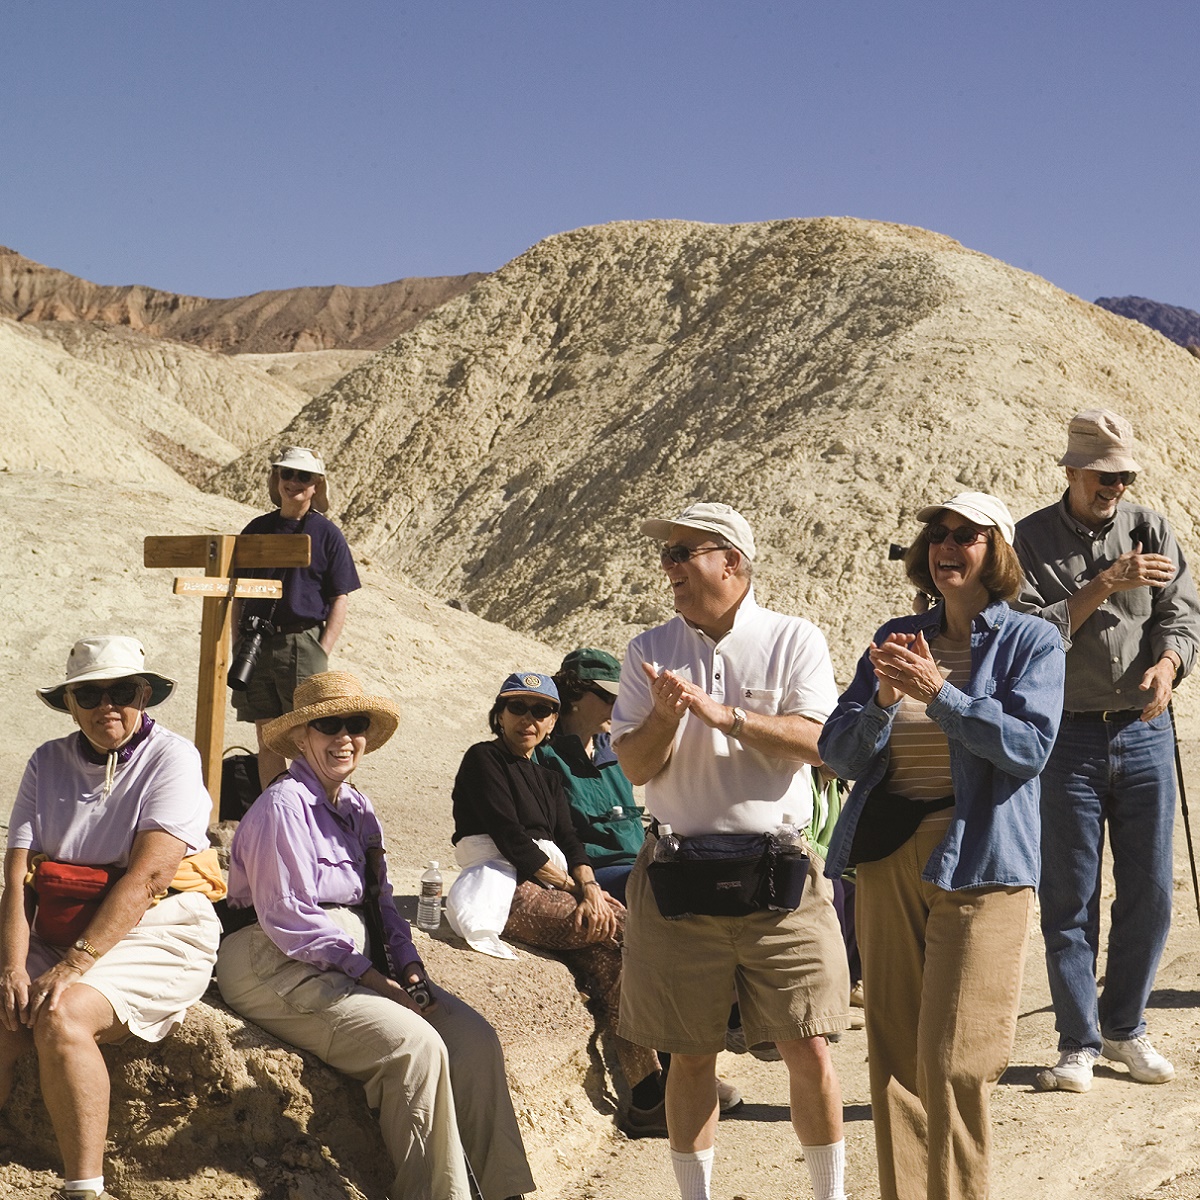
x=303 y=860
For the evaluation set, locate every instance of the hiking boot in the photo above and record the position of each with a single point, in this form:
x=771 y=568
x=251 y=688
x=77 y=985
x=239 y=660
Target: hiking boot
x=1072 y=1073
x=1145 y=1063
x=735 y=1040
x=645 y=1122
x=728 y=1097
x=766 y=1052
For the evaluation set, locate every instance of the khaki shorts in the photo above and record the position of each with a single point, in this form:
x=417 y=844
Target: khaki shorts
x=678 y=976
x=284 y=659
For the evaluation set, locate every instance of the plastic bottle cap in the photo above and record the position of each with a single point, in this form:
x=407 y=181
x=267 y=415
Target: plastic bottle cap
x=433 y=866
x=664 y=830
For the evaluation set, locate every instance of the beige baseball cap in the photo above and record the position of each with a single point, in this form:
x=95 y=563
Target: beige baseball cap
x=711 y=517
x=981 y=507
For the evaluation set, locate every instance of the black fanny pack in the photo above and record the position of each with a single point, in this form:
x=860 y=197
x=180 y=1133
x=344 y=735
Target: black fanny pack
x=887 y=821
x=728 y=875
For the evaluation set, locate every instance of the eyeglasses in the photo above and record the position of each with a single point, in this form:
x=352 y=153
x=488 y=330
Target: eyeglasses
x=964 y=535
x=681 y=554
x=601 y=694
x=122 y=693
x=1109 y=478
x=355 y=726
x=287 y=474
x=539 y=712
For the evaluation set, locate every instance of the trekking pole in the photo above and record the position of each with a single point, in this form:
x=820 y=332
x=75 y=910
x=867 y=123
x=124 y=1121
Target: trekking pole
x=1187 y=825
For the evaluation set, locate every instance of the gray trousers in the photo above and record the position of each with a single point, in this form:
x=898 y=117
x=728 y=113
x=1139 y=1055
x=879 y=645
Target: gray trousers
x=437 y=1081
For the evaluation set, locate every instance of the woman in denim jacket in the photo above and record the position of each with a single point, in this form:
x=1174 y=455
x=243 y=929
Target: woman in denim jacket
x=949 y=720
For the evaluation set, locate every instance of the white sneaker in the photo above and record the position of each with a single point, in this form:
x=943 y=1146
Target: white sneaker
x=1145 y=1063
x=1072 y=1072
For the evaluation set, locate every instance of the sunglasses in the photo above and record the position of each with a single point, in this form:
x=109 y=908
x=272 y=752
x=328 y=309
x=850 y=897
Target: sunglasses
x=287 y=474
x=539 y=712
x=682 y=554
x=1110 y=478
x=607 y=697
x=355 y=726
x=964 y=535
x=121 y=694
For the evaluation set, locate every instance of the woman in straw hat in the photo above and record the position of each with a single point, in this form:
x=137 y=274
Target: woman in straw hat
x=511 y=820
x=948 y=722
x=103 y=821
x=326 y=966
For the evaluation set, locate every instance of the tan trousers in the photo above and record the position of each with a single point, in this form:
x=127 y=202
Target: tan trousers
x=942 y=974
x=438 y=1083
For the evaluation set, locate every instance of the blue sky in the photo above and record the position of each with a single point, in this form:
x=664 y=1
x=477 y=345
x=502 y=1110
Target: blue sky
x=220 y=148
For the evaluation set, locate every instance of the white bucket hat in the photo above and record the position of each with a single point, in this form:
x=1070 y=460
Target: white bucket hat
x=300 y=458
x=112 y=657
x=711 y=517
x=981 y=507
x=1099 y=440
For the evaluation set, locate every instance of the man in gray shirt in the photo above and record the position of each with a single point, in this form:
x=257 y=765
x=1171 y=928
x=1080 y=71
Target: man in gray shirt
x=1111 y=576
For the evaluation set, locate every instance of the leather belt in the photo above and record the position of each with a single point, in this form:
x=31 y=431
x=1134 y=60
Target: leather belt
x=1117 y=716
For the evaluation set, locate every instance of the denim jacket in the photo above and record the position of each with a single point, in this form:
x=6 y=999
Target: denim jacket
x=1001 y=731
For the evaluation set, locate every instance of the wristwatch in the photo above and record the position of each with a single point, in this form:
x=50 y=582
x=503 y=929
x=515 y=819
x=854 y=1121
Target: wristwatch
x=739 y=719
x=86 y=946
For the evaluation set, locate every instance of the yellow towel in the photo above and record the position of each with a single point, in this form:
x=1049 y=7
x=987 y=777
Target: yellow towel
x=201 y=873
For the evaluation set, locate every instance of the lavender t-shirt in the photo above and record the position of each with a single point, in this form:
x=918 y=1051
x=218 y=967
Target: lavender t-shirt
x=294 y=851
x=61 y=809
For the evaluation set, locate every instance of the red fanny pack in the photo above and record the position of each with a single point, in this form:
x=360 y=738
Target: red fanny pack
x=68 y=895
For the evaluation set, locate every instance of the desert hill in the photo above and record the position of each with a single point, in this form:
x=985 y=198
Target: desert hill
x=306 y=318
x=84 y=398
x=1181 y=325
x=826 y=376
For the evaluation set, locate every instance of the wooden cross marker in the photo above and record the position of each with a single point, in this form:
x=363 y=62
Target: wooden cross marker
x=218 y=554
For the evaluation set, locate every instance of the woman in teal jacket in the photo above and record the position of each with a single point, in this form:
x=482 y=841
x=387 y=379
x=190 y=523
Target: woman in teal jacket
x=606 y=817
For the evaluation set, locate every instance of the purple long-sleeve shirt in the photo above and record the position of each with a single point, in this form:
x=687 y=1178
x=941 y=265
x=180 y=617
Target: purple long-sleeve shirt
x=295 y=851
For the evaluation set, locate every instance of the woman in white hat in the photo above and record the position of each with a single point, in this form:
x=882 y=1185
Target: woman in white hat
x=325 y=961
x=103 y=820
x=949 y=720
x=307 y=622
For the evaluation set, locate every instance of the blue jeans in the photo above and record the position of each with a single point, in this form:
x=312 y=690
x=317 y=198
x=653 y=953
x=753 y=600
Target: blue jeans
x=1120 y=772
x=613 y=879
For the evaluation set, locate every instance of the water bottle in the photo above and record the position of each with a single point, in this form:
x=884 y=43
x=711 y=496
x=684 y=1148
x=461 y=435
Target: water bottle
x=667 y=846
x=429 y=904
x=617 y=813
x=788 y=838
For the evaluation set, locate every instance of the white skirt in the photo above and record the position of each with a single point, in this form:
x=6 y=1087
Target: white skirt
x=157 y=970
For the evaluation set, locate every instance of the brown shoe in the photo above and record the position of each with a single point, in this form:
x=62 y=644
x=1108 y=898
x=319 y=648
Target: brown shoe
x=646 y=1122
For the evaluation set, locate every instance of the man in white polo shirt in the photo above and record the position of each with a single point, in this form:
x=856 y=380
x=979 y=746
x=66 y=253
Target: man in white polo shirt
x=718 y=715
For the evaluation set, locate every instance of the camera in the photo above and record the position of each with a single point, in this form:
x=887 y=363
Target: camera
x=419 y=993
x=252 y=630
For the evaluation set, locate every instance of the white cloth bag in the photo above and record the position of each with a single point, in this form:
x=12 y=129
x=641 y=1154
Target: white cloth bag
x=479 y=899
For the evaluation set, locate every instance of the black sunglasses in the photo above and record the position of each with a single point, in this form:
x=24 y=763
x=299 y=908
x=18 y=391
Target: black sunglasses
x=1109 y=478
x=355 y=726
x=121 y=693
x=682 y=554
x=287 y=474
x=607 y=697
x=964 y=535
x=539 y=712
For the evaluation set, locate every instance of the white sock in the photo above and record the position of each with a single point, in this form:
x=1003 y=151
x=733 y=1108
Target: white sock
x=85 y=1185
x=827 y=1166
x=693 y=1173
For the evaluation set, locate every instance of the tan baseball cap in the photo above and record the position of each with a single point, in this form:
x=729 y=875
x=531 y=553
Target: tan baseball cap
x=980 y=507
x=711 y=517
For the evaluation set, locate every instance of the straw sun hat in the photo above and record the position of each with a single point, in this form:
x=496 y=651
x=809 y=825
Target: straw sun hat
x=332 y=694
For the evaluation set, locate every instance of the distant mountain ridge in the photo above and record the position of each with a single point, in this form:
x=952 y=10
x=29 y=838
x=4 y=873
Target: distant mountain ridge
x=1181 y=325
x=306 y=318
